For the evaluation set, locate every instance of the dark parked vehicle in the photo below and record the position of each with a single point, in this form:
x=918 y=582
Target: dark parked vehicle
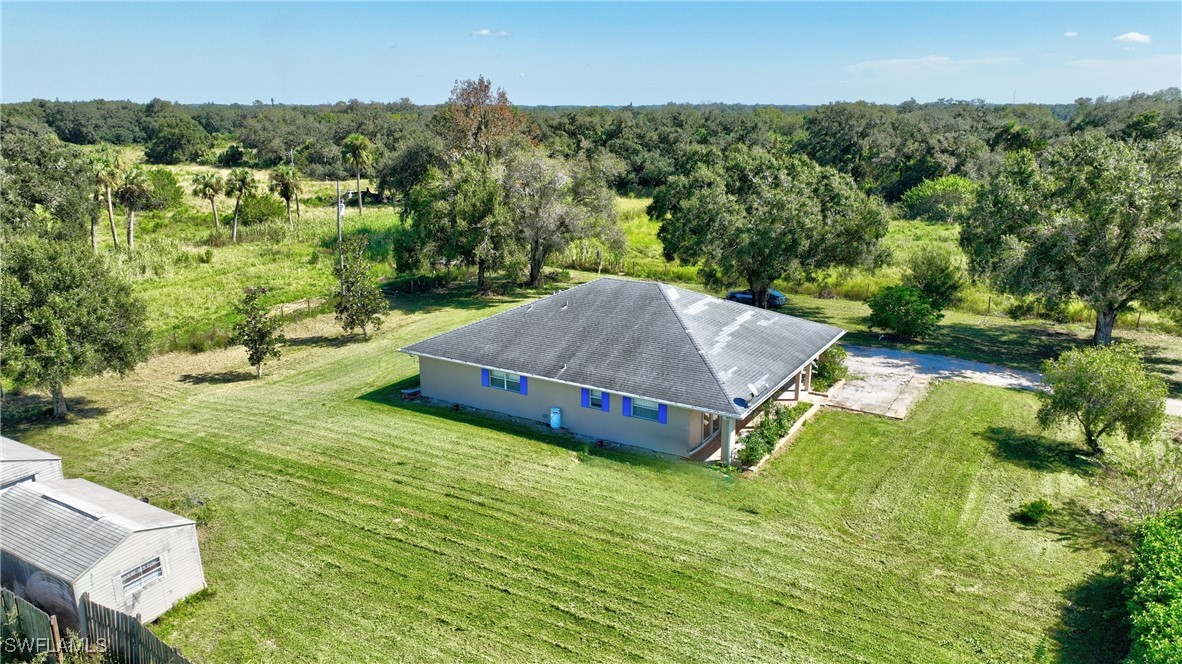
x=774 y=297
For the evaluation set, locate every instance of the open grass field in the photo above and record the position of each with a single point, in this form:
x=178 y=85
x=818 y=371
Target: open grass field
x=340 y=524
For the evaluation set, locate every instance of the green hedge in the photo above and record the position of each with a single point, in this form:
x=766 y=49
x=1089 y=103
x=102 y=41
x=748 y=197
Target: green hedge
x=1155 y=591
x=774 y=425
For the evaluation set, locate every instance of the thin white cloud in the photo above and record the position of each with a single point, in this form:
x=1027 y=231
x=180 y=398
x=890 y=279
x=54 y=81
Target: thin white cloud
x=1071 y=33
x=485 y=32
x=931 y=64
x=1133 y=38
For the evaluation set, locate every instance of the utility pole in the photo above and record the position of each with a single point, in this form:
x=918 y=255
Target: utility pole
x=340 y=238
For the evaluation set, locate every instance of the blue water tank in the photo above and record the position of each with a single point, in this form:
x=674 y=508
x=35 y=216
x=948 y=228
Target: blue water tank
x=556 y=418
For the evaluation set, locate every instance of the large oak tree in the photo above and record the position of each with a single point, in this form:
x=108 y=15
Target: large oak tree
x=1096 y=218
x=753 y=217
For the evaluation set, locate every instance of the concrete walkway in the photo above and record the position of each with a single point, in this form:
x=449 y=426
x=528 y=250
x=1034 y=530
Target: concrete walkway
x=888 y=381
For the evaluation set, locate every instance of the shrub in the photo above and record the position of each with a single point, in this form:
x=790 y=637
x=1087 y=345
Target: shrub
x=830 y=368
x=903 y=311
x=774 y=425
x=1033 y=512
x=1155 y=591
x=939 y=274
x=166 y=192
x=231 y=157
x=257 y=210
x=945 y=199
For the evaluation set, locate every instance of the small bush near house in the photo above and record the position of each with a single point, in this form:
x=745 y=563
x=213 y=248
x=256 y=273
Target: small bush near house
x=773 y=426
x=830 y=368
x=1033 y=512
x=1155 y=591
x=903 y=311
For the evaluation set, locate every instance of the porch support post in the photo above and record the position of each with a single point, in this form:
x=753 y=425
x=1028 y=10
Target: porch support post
x=797 y=388
x=728 y=440
x=808 y=378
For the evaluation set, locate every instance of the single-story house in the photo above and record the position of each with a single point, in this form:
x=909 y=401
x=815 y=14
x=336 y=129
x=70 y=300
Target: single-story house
x=635 y=362
x=62 y=538
x=21 y=463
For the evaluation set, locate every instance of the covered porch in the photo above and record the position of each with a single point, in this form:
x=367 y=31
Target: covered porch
x=724 y=443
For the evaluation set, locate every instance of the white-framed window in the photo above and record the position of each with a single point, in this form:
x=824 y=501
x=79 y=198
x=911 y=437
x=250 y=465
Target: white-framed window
x=646 y=410
x=710 y=425
x=141 y=575
x=595 y=399
x=503 y=380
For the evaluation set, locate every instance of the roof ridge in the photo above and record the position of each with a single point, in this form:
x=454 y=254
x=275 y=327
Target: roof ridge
x=697 y=347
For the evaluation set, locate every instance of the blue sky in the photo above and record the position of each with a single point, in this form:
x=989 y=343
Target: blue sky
x=590 y=53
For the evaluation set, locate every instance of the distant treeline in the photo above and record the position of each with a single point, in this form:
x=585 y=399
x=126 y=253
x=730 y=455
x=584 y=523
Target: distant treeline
x=888 y=149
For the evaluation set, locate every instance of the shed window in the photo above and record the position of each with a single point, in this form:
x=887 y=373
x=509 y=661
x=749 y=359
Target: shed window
x=140 y=576
x=504 y=381
x=646 y=410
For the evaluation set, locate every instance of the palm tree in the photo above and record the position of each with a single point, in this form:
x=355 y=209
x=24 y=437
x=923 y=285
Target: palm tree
x=285 y=183
x=357 y=152
x=209 y=186
x=133 y=193
x=239 y=183
x=108 y=170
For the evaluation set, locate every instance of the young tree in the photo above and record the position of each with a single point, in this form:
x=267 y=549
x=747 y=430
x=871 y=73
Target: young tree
x=358 y=301
x=108 y=171
x=939 y=275
x=476 y=118
x=1100 y=220
x=258 y=330
x=1103 y=389
x=209 y=185
x=285 y=183
x=357 y=152
x=409 y=166
x=459 y=214
x=551 y=203
x=239 y=183
x=753 y=217
x=66 y=315
x=134 y=193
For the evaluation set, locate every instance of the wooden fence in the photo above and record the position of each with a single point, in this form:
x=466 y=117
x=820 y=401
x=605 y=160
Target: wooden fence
x=25 y=629
x=124 y=637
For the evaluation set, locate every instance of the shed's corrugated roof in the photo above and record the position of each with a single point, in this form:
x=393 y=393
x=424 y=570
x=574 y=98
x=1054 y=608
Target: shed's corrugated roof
x=11 y=450
x=645 y=339
x=66 y=526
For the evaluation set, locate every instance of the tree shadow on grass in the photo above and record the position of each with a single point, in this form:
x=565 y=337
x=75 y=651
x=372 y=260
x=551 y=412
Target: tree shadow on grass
x=215 y=377
x=1037 y=452
x=391 y=395
x=1093 y=627
x=324 y=341
x=18 y=412
x=1083 y=529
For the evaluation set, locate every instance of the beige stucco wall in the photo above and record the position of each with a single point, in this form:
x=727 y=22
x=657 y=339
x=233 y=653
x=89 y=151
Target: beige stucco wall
x=460 y=383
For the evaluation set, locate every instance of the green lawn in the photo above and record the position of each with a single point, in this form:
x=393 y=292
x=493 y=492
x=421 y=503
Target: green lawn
x=340 y=524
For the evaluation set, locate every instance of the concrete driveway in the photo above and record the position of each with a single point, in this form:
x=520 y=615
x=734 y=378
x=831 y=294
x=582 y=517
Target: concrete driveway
x=889 y=381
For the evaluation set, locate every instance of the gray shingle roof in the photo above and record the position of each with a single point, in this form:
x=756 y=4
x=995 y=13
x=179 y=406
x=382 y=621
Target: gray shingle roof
x=11 y=450
x=645 y=339
x=64 y=527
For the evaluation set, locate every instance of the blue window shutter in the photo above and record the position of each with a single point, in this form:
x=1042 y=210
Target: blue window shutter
x=627 y=406
x=607 y=403
x=484 y=377
x=662 y=413
x=586 y=398
x=524 y=389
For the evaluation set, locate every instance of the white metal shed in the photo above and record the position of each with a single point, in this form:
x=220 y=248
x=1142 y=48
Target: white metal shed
x=21 y=463
x=62 y=538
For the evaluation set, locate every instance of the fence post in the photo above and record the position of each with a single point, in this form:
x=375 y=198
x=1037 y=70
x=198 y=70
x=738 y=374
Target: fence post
x=55 y=638
x=84 y=618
